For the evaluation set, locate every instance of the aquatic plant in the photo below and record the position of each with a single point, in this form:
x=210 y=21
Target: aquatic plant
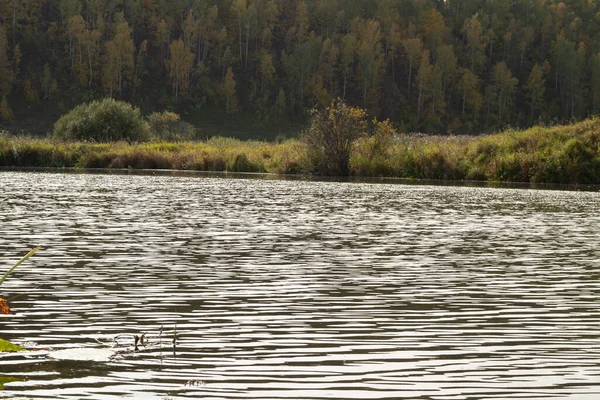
x=8 y=347
x=4 y=307
x=32 y=252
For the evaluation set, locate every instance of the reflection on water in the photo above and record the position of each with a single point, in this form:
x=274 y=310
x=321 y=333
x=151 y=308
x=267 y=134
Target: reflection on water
x=299 y=290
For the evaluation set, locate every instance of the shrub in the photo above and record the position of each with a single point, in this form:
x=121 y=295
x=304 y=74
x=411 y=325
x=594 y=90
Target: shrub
x=330 y=138
x=104 y=120
x=167 y=126
x=242 y=164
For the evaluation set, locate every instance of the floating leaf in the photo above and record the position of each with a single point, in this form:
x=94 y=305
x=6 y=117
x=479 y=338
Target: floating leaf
x=9 y=347
x=4 y=308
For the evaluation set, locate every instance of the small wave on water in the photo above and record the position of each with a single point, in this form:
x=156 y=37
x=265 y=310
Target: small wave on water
x=266 y=289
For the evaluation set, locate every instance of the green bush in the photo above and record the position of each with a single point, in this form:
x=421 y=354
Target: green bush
x=168 y=127
x=106 y=120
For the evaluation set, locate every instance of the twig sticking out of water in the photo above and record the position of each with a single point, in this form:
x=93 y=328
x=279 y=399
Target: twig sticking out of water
x=32 y=252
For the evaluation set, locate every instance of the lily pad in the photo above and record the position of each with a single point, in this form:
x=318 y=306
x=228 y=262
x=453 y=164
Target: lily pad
x=9 y=347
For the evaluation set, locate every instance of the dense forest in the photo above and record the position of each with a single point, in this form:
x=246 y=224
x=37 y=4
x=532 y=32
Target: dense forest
x=462 y=66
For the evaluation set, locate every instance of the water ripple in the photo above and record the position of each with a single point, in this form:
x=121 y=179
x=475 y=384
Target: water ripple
x=298 y=290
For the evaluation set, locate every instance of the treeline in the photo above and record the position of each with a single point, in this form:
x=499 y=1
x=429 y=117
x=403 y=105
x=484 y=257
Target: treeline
x=459 y=66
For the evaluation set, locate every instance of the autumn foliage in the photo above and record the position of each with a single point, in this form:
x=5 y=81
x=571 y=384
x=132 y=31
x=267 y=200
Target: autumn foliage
x=331 y=137
x=436 y=66
x=4 y=308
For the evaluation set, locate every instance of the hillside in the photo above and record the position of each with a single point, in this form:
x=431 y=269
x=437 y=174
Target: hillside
x=251 y=68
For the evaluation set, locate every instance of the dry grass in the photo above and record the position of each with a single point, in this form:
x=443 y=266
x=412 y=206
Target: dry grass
x=559 y=154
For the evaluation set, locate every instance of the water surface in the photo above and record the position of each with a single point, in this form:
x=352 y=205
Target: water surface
x=298 y=290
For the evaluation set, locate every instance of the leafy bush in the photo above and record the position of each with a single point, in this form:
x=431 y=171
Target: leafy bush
x=330 y=138
x=104 y=120
x=167 y=126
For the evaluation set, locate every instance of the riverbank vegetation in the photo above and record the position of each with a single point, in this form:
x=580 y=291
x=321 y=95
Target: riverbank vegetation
x=466 y=67
x=542 y=154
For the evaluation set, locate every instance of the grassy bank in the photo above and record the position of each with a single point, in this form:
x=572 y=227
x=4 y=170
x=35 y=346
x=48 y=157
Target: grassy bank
x=559 y=154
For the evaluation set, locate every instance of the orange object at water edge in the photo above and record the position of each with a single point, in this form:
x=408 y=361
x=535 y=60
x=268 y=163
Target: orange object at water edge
x=4 y=308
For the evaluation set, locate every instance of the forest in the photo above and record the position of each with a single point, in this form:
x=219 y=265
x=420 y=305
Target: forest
x=453 y=66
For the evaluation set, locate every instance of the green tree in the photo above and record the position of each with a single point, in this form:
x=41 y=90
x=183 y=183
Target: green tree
x=414 y=49
x=468 y=87
x=370 y=54
x=6 y=72
x=535 y=89
x=476 y=43
x=595 y=82
x=423 y=80
x=504 y=87
x=347 y=58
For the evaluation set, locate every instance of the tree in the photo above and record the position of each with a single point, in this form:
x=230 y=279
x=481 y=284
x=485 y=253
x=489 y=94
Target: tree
x=229 y=92
x=180 y=65
x=526 y=39
x=75 y=27
x=88 y=41
x=423 y=79
x=414 y=49
x=6 y=72
x=125 y=51
x=348 y=56
x=535 y=89
x=118 y=58
x=6 y=113
x=110 y=71
x=434 y=28
x=370 y=53
x=331 y=136
x=595 y=82
x=504 y=87
x=68 y=9
x=468 y=86
x=446 y=64
x=473 y=31
x=267 y=71
x=49 y=83
x=240 y=10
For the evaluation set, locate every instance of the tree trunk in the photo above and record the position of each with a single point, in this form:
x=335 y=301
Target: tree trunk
x=90 y=65
x=240 y=37
x=409 y=77
x=247 y=42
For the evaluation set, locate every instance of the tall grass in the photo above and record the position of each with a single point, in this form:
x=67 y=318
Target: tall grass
x=559 y=154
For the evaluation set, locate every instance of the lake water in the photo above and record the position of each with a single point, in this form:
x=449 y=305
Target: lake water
x=278 y=289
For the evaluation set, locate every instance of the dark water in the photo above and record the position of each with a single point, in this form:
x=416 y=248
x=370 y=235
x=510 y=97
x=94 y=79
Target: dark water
x=298 y=290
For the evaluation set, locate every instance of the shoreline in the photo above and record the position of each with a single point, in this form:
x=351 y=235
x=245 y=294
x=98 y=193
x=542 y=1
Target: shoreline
x=308 y=178
x=565 y=155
